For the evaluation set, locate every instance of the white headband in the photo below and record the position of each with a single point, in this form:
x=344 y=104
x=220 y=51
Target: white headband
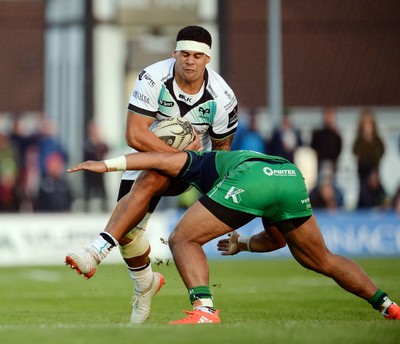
x=193 y=46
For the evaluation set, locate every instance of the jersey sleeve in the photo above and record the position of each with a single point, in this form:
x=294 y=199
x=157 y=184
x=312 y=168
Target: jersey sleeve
x=144 y=97
x=226 y=118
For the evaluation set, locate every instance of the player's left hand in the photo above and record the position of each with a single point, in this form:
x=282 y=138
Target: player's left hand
x=229 y=246
x=89 y=165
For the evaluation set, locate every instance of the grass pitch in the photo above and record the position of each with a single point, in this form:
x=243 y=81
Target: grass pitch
x=261 y=301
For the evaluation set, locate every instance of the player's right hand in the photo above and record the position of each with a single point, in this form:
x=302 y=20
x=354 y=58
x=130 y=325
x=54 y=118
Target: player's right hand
x=229 y=246
x=195 y=144
x=89 y=165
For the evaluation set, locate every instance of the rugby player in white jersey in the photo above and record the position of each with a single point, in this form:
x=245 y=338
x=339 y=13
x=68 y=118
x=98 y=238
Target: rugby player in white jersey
x=179 y=86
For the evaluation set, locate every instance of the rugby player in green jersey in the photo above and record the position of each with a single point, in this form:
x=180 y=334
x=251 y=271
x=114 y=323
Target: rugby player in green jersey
x=236 y=187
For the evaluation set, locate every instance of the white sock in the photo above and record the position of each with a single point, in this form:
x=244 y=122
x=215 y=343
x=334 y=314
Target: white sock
x=206 y=309
x=142 y=278
x=207 y=305
x=101 y=248
x=385 y=305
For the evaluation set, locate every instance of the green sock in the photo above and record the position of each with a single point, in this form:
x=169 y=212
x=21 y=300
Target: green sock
x=378 y=299
x=200 y=292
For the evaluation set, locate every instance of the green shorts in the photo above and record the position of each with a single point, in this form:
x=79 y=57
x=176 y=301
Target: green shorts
x=275 y=191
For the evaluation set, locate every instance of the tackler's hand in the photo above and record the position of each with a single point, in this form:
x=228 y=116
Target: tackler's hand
x=89 y=165
x=229 y=246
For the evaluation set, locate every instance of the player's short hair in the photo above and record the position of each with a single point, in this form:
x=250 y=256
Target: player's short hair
x=194 y=33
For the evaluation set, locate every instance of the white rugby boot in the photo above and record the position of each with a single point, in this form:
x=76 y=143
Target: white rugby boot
x=141 y=301
x=85 y=263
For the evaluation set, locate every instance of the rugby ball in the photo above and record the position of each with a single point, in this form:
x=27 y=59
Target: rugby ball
x=176 y=132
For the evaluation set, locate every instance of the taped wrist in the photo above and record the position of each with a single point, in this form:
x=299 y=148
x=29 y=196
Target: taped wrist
x=116 y=164
x=245 y=241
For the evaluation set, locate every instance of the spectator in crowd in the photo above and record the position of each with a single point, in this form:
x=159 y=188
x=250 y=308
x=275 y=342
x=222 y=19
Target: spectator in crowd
x=326 y=194
x=9 y=170
x=20 y=140
x=372 y=193
x=26 y=143
x=396 y=201
x=396 y=197
x=48 y=143
x=55 y=192
x=94 y=149
x=285 y=139
x=248 y=136
x=326 y=141
x=368 y=148
x=30 y=178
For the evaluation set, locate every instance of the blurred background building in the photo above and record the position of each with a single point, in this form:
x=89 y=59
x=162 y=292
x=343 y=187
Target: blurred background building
x=74 y=62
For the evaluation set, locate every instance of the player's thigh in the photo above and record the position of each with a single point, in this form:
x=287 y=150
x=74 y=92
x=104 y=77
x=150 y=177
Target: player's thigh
x=199 y=225
x=148 y=183
x=151 y=182
x=307 y=245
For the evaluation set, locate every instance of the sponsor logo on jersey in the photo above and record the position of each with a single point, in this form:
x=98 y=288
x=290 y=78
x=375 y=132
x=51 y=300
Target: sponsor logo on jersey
x=279 y=173
x=307 y=202
x=185 y=98
x=166 y=103
x=231 y=104
x=232 y=117
x=142 y=73
x=145 y=76
x=141 y=97
x=234 y=193
x=212 y=92
x=204 y=111
x=228 y=94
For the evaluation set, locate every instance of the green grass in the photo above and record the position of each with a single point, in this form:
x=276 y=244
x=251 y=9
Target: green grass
x=261 y=301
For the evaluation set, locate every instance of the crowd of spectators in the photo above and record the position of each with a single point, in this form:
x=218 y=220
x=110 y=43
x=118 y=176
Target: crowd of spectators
x=326 y=141
x=32 y=169
x=33 y=163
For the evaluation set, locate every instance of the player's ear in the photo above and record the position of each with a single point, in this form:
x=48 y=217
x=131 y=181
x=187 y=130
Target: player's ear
x=174 y=54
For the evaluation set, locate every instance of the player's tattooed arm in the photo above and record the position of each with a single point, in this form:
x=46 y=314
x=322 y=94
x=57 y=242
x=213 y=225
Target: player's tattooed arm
x=224 y=144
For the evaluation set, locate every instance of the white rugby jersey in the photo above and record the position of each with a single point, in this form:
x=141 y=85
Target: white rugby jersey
x=212 y=112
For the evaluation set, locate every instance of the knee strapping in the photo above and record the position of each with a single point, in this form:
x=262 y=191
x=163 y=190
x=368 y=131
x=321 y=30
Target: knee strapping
x=137 y=247
x=139 y=244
